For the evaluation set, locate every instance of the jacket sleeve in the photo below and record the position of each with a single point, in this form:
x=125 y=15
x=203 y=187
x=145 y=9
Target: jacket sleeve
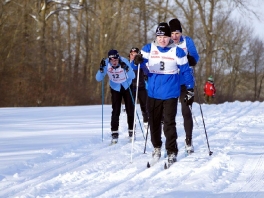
x=184 y=67
x=145 y=53
x=192 y=52
x=214 y=89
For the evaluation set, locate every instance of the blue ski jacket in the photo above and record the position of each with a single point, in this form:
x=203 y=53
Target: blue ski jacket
x=167 y=86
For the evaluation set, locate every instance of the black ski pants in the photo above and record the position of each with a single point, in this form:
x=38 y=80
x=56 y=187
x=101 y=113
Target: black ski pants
x=142 y=98
x=116 y=97
x=156 y=109
x=186 y=114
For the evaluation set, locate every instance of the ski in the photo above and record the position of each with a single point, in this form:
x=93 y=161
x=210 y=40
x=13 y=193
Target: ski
x=187 y=153
x=167 y=165
x=152 y=163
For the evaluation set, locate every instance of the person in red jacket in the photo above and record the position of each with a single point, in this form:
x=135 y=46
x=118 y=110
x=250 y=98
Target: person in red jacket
x=209 y=90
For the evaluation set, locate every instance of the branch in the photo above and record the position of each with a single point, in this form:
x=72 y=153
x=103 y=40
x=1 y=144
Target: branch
x=65 y=8
x=6 y=2
x=34 y=17
x=73 y=6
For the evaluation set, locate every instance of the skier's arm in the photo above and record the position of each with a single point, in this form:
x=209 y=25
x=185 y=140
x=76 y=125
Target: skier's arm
x=130 y=72
x=193 y=56
x=185 y=69
x=143 y=59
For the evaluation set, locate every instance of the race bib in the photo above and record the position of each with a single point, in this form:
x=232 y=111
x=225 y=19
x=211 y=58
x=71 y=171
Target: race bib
x=117 y=75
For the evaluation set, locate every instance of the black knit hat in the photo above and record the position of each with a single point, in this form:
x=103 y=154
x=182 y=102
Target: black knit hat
x=163 y=29
x=134 y=49
x=113 y=54
x=175 y=25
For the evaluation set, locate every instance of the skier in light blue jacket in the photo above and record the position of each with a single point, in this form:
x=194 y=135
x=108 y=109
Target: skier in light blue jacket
x=120 y=76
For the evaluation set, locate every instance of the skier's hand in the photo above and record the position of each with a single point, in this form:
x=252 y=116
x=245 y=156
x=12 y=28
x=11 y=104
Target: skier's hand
x=138 y=59
x=189 y=98
x=102 y=65
x=123 y=65
x=191 y=60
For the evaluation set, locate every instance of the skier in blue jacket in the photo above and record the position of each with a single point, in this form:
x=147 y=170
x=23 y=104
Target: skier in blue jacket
x=164 y=60
x=142 y=91
x=120 y=76
x=187 y=44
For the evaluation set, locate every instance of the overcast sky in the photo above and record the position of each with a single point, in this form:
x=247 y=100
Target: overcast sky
x=258 y=24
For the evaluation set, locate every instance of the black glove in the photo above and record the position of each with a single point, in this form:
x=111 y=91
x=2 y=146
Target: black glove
x=123 y=65
x=191 y=60
x=188 y=99
x=146 y=77
x=138 y=59
x=102 y=65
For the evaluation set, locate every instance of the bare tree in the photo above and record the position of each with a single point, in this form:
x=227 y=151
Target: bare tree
x=256 y=47
x=50 y=50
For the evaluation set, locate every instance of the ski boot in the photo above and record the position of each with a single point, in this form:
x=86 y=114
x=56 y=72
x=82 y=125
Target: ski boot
x=130 y=135
x=146 y=126
x=171 y=160
x=114 y=137
x=188 y=146
x=156 y=153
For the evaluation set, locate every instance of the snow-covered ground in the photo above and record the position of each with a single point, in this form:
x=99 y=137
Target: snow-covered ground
x=59 y=152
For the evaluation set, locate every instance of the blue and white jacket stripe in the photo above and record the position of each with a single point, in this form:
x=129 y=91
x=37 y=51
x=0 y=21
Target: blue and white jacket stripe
x=191 y=50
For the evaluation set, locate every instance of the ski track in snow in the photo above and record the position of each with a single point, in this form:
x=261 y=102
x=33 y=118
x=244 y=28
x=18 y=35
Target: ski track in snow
x=94 y=169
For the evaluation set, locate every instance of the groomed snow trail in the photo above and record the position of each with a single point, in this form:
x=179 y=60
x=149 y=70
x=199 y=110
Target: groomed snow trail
x=63 y=155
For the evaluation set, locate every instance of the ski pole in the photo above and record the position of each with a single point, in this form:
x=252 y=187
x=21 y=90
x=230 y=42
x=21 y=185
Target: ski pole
x=210 y=152
x=102 y=110
x=198 y=126
x=135 y=110
x=146 y=139
x=193 y=115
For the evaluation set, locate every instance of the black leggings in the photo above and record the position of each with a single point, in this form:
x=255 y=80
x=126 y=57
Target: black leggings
x=186 y=113
x=156 y=109
x=116 y=97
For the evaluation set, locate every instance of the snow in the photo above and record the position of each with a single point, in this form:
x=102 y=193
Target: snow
x=53 y=152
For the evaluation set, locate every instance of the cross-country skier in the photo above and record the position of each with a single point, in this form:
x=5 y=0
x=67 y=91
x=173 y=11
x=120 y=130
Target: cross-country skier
x=187 y=44
x=164 y=61
x=120 y=76
x=142 y=91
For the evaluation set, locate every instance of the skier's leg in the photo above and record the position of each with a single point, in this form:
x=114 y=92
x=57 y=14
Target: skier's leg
x=186 y=113
x=116 y=98
x=170 y=109
x=129 y=107
x=155 y=107
x=142 y=97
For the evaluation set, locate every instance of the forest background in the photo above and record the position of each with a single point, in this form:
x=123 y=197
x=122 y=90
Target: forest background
x=50 y=50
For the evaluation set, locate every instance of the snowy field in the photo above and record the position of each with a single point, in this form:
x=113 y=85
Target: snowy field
x=54 y=152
